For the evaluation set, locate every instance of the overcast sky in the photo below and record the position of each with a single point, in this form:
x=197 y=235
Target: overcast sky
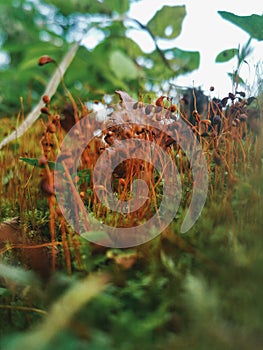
x=204 y=30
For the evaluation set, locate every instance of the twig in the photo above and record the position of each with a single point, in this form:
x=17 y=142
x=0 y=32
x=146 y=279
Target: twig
x=160 y=52
x=24 y=308
x=50 y=91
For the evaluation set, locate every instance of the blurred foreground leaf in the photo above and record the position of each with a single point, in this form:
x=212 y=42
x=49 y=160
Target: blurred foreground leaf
x=60 y=314
x=122 y=66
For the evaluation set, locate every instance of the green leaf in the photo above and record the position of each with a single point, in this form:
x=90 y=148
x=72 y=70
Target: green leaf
x=59 y=317
x=7 y=177
x=236 y=78
x=184 y=61
x=90 y=6
x=226 y=55
x=253 y=24
x=122 y=66
x=18 y=275
x=120 y=6
x=132 y=49
x=179 y=60
x=84 y=176
x=245 y=51
x=96 y=236
x=167 y=22
x=3 y=291
x=34 y=162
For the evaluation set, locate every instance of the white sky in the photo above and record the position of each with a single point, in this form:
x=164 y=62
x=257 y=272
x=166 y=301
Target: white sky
x=204 y=30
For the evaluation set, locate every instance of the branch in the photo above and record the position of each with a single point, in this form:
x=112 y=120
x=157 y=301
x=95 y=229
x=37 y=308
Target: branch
x=144 y=27
x=50 y=91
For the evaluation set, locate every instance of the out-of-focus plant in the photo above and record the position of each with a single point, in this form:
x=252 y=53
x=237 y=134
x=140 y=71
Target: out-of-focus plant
x=253 y=25
x=241 y=54
x=29 y=29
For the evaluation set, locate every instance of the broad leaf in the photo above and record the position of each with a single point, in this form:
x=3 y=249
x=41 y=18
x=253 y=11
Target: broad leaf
x=184 y=61
x=120 y=6
x=177 y=62
x=253 y=24
x=99 y=76
x=167 y=22
x=72 y=6
x=131 y=48
x=159 y=70
x=226 y=55
x=90 y=6
x=122 y=66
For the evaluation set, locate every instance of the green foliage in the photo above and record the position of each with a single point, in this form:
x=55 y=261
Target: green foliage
x=200 y=290
x=183 y=61
x=105 y=7
x=170 y=302
x=115 y=60
x=18 y=275
x=241 y=54
x=120 y=6
x=122 y=66
x=168 y=19
x=59 y=316
x=28 y=31
x=226 y=55
x=236 y=79
x=253 y=24
x=34 y=162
